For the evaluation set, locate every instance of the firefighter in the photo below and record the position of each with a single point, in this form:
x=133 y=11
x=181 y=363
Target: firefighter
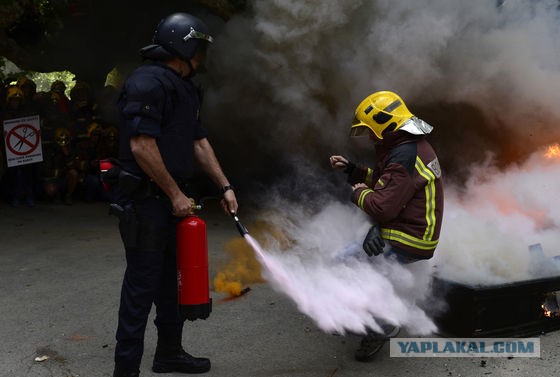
x=61 y=173
x=30 y=96
x=90 y=152
x=58 y=96
x=82 y=107
x=109 y=142
x=54 y=111
x=161 y=137
x=402 y=194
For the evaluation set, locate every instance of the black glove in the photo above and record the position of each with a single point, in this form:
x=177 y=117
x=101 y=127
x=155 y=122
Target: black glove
x=350 y=166
x=373 y=243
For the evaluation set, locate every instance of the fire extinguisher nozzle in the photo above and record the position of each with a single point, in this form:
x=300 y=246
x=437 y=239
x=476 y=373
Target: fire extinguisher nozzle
x=242 y=230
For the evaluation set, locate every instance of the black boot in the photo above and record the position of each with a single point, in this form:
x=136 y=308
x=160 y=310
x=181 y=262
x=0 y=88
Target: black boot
x=179 y=361
x=125 y=373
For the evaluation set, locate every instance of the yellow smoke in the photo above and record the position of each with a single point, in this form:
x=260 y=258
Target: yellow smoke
x=242 y=267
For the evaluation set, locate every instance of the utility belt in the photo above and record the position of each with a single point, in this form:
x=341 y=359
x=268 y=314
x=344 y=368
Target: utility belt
x=139 y=232
x=134 y=186
x=138 y=187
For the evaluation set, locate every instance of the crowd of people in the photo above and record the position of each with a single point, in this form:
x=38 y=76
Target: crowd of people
x=76 y=132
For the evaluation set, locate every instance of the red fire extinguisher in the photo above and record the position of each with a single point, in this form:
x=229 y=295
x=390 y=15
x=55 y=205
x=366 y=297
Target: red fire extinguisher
x=192 y=269
x=109 y=173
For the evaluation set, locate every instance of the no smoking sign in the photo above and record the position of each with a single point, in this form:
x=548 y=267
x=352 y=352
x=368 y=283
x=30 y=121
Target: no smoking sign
x=23 y=141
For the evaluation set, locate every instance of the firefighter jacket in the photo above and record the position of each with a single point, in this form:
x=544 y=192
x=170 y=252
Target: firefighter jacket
x=404 y=194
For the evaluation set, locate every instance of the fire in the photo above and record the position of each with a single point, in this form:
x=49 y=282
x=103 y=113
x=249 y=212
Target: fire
x=550 y=305
x=553 y=151
x=547 y=313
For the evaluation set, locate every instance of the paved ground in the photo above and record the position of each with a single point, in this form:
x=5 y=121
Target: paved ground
x=60 y=276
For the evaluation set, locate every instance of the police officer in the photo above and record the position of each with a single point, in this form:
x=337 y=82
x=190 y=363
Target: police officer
x=161 y=137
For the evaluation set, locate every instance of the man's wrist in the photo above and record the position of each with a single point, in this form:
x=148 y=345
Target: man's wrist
x=226 y=188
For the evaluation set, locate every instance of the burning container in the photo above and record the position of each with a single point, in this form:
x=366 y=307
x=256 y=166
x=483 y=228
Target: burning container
x=518 y=309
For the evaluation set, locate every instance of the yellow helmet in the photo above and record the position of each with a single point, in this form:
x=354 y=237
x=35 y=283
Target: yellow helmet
x=62 y=136
x=111 y=136
x=94 y=129
x=14 y=92
x=24 y=81
x=380 y=112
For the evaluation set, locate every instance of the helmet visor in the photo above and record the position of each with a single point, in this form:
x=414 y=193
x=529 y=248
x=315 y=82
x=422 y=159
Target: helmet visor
x=359 y=128
x=194 y=34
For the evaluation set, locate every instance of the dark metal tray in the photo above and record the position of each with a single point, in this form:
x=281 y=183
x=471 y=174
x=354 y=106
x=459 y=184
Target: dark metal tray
x=516 y=309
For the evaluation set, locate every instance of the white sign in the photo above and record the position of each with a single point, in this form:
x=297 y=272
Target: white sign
x=22 y=138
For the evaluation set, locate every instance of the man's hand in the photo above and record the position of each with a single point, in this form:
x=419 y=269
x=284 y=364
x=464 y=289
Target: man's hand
x=338 y=162
x=373 y=243
x=182 y=206
x=359 y=185
x=229 y=202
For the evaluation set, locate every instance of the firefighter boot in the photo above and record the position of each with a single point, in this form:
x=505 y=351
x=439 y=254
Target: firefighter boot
x=372 y=342
x=125 y=373
x=179 y=361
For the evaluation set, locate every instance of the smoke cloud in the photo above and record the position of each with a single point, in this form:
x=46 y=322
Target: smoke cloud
x=286 y=77
x=490 y=223
x=284 y=81
x=241 y=269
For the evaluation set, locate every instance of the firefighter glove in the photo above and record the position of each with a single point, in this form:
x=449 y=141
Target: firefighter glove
x=350 y=166
x=373 y=243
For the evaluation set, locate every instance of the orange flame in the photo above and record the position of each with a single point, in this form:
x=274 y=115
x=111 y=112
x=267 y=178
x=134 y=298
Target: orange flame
x=550 y=305
x=553 y=151
x=546 y=312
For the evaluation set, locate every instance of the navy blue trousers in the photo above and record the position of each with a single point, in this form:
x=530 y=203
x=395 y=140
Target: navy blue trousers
x=150 y=278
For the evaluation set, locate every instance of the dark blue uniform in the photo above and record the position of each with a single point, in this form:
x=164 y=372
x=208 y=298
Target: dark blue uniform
x=157 y=102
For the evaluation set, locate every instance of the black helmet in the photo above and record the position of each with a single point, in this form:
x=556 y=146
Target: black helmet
x=177 y=35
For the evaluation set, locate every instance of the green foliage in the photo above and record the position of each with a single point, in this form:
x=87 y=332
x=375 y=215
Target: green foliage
x=45 y=79
x=115 y=78
x=7 y=69
x=9 y=73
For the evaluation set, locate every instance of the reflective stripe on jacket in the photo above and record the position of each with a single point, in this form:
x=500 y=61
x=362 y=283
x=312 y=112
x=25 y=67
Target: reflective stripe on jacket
x=404 y=196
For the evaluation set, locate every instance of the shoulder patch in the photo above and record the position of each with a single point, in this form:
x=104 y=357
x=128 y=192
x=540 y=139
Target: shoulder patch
x=435 y=168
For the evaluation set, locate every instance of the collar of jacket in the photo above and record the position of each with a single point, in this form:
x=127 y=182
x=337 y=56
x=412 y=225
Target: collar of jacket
x=393 y=139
